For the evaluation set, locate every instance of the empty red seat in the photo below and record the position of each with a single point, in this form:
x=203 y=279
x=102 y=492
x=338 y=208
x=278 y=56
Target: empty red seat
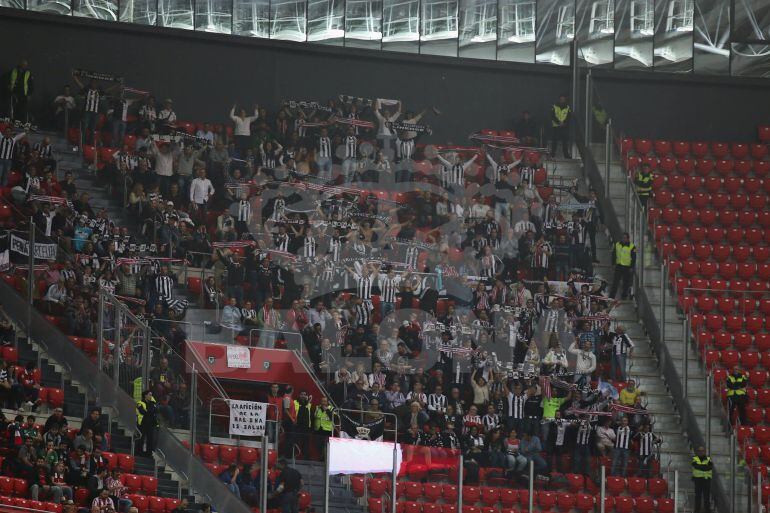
x=720 y=149
x=378 y=487
x=723 y=167
x=150 y=485
x=749 y=359
x=156 y=504
x=739 y=150
x=584 y=502
x=636 y=485
x=209 y=453
x=508 y=497
x=228 y=454
x=745 y=270
x=747 y=217
x=662 y=147
x=546 y=500
x=449 y=492
x=752 y=185
x=742 y=341
x=738 y=200
x=761 y=168
x=663 y=198
x=624 y=504
x=667 y=164
x=729 y=358
x=758 y=151
x=754 y=415
x=643 y=146
x=682 y=199
x=754 y=323
x=126 y=462
x=693 y=183
x=471 y=494
x=712 y=184
x=615 y=485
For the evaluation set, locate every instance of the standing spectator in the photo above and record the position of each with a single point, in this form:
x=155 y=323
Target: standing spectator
x=622 y=348
x=242 y=130
x=288 y=485
x=624 y=259
x=201 y=191
x=64 y=104
x=147 y=421
x=560 y=120
x=622 y=445
x=21 y=86
x=647 y=441
x=7 y=153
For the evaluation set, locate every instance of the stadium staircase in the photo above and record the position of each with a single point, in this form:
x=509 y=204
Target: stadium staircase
x=675 y=342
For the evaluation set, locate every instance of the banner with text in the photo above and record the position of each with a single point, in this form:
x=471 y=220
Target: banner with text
x=247 y=418
x=42 y=251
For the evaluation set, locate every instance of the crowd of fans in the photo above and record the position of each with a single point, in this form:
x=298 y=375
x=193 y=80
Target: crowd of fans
x=452 y=287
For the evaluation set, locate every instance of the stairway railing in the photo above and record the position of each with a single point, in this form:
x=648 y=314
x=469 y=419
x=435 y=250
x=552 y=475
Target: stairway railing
x=645 y=310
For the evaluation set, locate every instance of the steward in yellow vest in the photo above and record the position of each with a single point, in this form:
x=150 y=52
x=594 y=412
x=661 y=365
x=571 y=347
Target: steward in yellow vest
x=624 y=260
x=702 y=473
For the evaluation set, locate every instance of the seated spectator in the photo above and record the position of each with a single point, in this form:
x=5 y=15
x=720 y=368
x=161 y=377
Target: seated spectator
x=102 y=503
x=95 y=424
x=230 y=478
x=118 y=491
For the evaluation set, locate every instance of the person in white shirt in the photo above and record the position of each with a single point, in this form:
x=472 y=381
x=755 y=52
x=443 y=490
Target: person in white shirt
x=64 y=103
x=242 y=131
x=164 y=154
x=166 y=120
x=201 y=190
x=384 y=116
x=585 y=364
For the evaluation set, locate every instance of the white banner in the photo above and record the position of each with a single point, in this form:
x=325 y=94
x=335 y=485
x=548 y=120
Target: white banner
x=42 y=251
x=238 y=357
x=351 y=456
x=247 y=418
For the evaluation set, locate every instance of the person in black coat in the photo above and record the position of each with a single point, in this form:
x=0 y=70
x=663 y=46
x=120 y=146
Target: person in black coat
x=147 y=422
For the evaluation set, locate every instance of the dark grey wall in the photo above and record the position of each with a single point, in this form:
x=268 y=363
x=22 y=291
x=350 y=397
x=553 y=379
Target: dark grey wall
x=669 y=106
x=205 y=74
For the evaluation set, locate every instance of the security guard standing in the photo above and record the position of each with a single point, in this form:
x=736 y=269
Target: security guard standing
x=702 y=472
x=736 y=393
x=20 y=86
x=304 y=424
x=624 y=258
x=643 y=183
x=560 y=118
x=147 y=422
x=323 y=421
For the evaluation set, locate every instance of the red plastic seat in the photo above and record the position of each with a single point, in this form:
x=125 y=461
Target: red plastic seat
x=156 y=504
x=150 y=485
x=682 y=199
x=712 y=184
x=247 y=455
x=132 y=482
x=693 y=183
x=378 y=487
x=228 y=454
x=624 y=504
x=642 y=146
x=742 y=341
x=508 y=497
x=490 y=495
x=754 y=323
x=754 y=415
x=584 y=502
x=724 y=167
x=729 y=358
x=720 y=149
x=749 y=359
x=209 y=453
x=636 y=485
x=761 y=168
x=449 y=493
x=126 y=462
x=615 y=485
x=662 y=147
x=471 y=494
x=688 y=216
x=546 y=500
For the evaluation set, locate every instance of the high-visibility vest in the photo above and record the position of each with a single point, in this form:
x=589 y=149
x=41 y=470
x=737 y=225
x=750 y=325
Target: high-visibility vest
x=698 y=465
x=560 y=113
x=600 y=115
x=736 y=385
x=643 y=183
x=139 y=415
x=297 y=407
x=26 y=74
x=322 y=421
x=623 y=254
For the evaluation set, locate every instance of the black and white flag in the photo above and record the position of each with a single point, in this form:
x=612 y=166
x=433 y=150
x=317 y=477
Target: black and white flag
x=372 y=431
